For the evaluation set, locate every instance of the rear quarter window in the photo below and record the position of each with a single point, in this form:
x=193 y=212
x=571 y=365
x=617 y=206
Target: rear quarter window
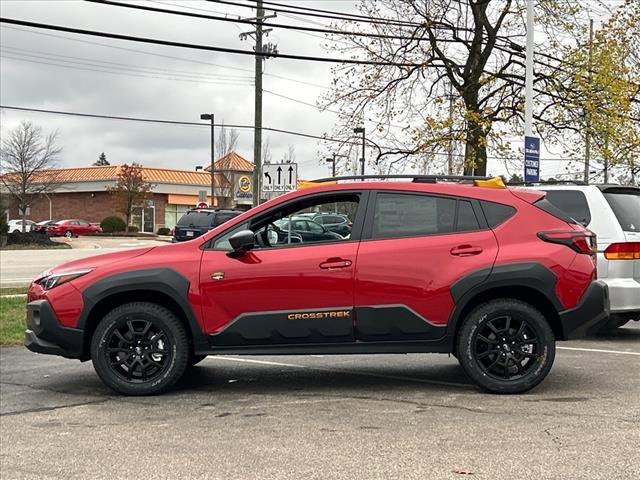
x=626 y=207
x=496 y=213
x=572 y=202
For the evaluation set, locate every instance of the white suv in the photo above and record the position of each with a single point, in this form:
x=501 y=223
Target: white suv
x=612 y=212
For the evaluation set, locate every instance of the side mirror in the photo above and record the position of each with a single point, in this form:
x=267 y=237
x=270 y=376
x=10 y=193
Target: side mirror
x=241 y=242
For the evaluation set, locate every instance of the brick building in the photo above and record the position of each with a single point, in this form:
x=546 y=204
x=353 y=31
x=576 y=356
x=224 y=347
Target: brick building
x=82 y=193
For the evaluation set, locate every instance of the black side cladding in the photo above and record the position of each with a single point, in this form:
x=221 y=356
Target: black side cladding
x=161 y=280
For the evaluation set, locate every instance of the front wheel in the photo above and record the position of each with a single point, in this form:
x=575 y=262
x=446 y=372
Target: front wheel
x=140 y=348
x=506 y=346
x=68 y=234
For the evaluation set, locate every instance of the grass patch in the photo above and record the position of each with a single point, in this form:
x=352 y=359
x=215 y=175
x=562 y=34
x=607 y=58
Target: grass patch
x=12 y=320
x=13 y=290
x=35 y=246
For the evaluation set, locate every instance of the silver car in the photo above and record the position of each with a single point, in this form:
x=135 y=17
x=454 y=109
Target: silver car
x=612 y=212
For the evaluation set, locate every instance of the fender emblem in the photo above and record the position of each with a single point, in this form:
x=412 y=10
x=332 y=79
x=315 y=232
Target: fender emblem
x=217 y=276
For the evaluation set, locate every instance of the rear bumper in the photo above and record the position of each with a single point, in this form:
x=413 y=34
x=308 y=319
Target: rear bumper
x=44 y=333
x=589 y=315
x=624 y=294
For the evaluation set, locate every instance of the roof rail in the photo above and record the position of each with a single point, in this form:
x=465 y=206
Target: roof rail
x=549 y=182
x=413 y=177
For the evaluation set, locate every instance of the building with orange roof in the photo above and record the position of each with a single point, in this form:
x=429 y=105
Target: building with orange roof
x=82 y=192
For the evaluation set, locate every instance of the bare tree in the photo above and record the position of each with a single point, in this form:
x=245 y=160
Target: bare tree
x=227 y=141
x=290 y=155
x=449 y=71
x=27 y=158
x=267 y=157
x=130 y=191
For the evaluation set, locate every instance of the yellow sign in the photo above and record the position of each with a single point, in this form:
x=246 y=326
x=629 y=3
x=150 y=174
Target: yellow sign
x=244 y=183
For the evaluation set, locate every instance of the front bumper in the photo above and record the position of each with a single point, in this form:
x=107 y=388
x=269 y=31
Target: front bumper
x=44 y=333
x=591 y=313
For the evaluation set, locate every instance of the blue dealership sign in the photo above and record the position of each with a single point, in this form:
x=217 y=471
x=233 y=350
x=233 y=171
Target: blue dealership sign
x=531 y=159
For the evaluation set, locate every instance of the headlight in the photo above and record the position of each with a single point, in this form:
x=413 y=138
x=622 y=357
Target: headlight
x=53 y=280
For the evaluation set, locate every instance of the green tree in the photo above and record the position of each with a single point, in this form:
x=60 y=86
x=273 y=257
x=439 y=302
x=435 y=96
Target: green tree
x=102 y=161
x=131 y=190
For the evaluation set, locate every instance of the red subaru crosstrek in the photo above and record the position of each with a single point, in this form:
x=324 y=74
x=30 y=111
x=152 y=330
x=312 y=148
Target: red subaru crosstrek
x=492 y=275
x=71 y=228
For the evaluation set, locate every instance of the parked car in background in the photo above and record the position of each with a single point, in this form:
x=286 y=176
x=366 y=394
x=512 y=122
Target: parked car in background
x=72 y=228
x=307 y=230
x=334 y=222
x=612 y=212
x=15 y=226
x=41 y=227
x=200 y=220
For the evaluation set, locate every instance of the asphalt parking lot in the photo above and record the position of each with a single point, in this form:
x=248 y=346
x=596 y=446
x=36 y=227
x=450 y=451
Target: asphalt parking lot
x=326 y=417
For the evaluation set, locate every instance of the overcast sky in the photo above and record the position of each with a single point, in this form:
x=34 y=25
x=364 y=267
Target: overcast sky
x=61 y=71
x=188 y=89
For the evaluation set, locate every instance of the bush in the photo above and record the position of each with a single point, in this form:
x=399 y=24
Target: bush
x=4 y=226
x=133 y=229
x=113 y=224
x=164 y=231
x=29 y=238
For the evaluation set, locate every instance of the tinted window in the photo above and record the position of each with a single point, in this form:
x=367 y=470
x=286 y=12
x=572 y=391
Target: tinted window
x=496 y=213
x=223 y=217
x=332 y=219
x=400 y=215
x=572 y=202
x=626 y=207
x=467 y=220
x=196 y=219
x=313 y=227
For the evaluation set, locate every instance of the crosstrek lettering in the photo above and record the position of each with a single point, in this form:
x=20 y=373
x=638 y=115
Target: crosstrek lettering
x=303 y=316
x=433 y=265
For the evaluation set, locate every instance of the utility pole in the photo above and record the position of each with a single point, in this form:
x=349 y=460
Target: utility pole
x=257 y=131
x=587 y=116
x=362 y=160
x=450 y=155
x=332 y=160
x=531 y=143
x=211 y=116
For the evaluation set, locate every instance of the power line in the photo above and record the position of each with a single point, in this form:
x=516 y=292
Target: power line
x=168 y=43
x=328 y=14
x=248 y=21
x=171 y=57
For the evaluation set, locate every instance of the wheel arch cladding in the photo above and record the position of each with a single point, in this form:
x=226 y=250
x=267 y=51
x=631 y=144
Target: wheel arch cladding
x=163 y=286
x=532 y=283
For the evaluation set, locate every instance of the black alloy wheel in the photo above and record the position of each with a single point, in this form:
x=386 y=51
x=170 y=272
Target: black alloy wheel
x=506 y=346
x=140 y=348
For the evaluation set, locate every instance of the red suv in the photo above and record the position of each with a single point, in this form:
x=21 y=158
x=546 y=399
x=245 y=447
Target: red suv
x=72 y=228
x=492 y=275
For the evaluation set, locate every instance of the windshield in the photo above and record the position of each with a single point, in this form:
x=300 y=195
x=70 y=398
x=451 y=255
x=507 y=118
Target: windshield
x=626 y=207
x=195 y=219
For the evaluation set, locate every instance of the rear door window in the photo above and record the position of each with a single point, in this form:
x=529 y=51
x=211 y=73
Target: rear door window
x=572 y=202
x=467 y=221
x=626 y=207
x=405 y=215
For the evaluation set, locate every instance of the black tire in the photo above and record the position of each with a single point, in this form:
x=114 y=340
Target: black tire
x=196 y=359
x=140 y=348
x=68 y=234
x=506 y=346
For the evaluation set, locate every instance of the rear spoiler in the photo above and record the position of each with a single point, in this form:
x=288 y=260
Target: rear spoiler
x=528 y=195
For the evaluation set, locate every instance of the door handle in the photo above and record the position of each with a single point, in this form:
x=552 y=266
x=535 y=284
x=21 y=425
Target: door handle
x=465 y=250
x=333 y=263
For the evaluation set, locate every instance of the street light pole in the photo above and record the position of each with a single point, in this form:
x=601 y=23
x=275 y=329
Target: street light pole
x=211 y=116
x=362 y=160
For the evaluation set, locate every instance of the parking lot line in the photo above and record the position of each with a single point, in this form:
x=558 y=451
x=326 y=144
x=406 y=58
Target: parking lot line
x=347 y=372
x=597 y=350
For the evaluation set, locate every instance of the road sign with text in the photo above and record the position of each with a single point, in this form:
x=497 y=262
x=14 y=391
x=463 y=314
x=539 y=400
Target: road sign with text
x=279 y=177
x=531 y=159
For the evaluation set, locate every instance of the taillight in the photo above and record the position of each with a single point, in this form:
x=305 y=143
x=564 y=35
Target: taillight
x=623 y=251
x=581 y=241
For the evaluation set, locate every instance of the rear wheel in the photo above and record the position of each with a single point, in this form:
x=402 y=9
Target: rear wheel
x=140 y=348
x=506 y=346
x=68 y=234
